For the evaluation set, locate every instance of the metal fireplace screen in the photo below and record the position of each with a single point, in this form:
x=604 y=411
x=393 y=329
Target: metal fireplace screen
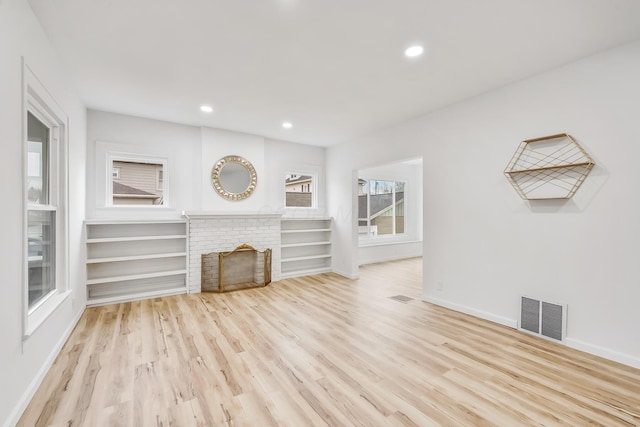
x=242 y=268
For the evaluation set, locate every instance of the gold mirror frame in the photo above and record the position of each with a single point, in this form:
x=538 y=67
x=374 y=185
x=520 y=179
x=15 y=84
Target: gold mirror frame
x=215 y=177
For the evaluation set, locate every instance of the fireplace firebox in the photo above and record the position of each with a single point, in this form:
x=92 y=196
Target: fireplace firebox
x=242 y=268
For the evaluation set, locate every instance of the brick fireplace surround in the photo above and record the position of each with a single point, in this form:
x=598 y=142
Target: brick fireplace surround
x=219 y=232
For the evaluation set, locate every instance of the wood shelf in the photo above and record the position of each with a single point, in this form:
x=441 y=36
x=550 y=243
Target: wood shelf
x=548 y=168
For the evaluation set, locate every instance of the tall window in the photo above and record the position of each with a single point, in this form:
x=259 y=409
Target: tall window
x=299 y=190
x=380 y=207
x=41 y=211
x=45 y=204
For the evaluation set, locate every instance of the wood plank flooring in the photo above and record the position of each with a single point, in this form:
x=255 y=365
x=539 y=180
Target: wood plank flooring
x=322 y=351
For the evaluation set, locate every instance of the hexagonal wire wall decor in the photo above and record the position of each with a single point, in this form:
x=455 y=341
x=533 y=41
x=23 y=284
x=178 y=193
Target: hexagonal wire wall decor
x=551 y=167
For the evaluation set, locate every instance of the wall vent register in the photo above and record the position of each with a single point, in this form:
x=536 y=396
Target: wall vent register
x=543 y=318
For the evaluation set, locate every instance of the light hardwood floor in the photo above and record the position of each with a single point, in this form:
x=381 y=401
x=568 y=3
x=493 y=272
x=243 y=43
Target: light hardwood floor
x=322 y=350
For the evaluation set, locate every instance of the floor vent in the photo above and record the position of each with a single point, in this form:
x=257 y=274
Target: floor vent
x=401 y=298
x=543 y=318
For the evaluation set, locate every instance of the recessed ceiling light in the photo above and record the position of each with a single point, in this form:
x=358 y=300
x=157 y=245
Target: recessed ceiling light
x=206 y=108
x=287 y=125
x=414 y=51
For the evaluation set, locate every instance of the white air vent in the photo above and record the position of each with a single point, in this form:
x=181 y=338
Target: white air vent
x=543 y=318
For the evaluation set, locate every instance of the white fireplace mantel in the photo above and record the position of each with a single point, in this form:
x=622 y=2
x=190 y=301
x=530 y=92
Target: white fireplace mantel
x=227 y=215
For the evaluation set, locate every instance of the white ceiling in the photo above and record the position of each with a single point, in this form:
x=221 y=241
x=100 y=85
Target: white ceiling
x=335 y=68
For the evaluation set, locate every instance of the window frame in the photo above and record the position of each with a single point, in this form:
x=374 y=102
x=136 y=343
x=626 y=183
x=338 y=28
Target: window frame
x=38 y=102
x=313 y=188
x=160 y=179
x=117 y=156
x=368 y=238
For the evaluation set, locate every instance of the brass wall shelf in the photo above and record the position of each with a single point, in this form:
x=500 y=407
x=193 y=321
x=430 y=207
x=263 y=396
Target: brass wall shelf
x=550 y=167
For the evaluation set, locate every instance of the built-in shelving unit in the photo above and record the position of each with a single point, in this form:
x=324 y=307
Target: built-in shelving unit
x=305 y=246
x=131 y=260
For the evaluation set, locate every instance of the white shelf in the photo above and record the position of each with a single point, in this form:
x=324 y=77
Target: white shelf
x=296 y=245
x=302 y=258
x=136 y=257
x=114 y=279
x=306 y=230
x=134 y=296
x=133 y=221
x=306 y=218
x=136 y=238
x=308 y=272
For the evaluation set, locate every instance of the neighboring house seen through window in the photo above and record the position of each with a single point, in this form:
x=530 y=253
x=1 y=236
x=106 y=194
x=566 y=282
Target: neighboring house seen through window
x=137 y=182
x=380 y=207
x=299 y=191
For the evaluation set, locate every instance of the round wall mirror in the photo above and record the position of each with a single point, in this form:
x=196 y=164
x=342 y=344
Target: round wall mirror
x=234 y=178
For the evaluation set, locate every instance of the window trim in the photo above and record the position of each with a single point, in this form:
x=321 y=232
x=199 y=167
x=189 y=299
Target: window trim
x=112 y=156
x=160 y=180
x=38 y=101
x=314 y=189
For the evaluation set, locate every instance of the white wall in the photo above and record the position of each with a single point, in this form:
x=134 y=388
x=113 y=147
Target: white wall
x=180 y=144
x=409 y=244
x=286 y=157
x=489 y=247
x=217 y=144
x=24 y=363
x=192 y=152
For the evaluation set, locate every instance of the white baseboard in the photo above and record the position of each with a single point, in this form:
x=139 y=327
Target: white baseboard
x=24 y=401
x=625 y=359
x=392 y=258
x=347 y=275
x=472 y=311
x=606 y=353
x=370 y=254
